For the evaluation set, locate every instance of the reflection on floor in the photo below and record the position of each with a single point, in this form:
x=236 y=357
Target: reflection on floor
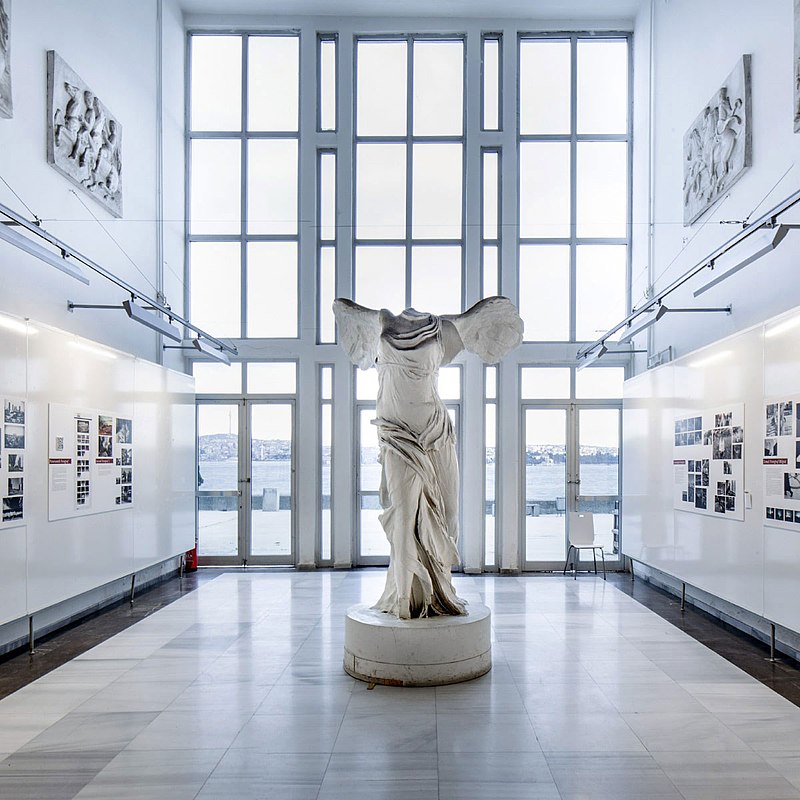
x=236 y=690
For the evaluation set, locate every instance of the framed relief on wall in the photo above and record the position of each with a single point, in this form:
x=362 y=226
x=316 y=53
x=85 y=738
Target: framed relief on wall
x=6 y=104
x=84 y=140
x=717 y=148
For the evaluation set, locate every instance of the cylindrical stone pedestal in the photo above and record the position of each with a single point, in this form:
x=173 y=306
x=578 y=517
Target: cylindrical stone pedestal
x=434 y=651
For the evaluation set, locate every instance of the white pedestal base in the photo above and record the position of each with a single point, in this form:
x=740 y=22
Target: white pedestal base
x=379 y=648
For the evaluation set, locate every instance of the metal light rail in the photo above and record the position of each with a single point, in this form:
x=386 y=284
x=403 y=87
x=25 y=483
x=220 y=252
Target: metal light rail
x=68 y=252
x=766 y=220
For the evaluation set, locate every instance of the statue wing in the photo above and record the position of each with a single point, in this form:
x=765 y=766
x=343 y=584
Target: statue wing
x=359 y=331
x=491 y=329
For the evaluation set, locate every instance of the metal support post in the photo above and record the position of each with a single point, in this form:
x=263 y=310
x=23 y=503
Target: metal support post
x=31 y=642
x=133 y=586
x=683 y=597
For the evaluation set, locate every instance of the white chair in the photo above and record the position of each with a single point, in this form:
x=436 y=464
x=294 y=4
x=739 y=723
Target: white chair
x=581 y=537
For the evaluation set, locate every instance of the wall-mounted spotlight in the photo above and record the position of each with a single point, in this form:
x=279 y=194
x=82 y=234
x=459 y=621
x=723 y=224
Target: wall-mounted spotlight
x=644 y=323
x=211 y=351
x=748 y=251
x=205 y=348
x=138 y=314
x=651 y=320
x=591 y=358
x=60 y=262
x=152 y=321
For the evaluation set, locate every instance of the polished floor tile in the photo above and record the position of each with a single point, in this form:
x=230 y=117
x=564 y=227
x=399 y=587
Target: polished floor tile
x=236 y=690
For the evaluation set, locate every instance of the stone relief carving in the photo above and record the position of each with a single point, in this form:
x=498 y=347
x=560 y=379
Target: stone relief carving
x=419 y=477
x=6 y=104
x=717 y=148
x=797 y=66
x=84 y=140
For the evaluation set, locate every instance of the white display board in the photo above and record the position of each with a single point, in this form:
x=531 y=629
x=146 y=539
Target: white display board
x=781 y=463
x=12 y=461
x=90 y=457
x=708 y=462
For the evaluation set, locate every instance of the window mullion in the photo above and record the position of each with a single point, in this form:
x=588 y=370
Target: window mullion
x=573 y=205
x=244 y=188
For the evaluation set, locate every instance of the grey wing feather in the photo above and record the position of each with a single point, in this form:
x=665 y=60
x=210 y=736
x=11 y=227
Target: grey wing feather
x=491 y=329
x=359 y=331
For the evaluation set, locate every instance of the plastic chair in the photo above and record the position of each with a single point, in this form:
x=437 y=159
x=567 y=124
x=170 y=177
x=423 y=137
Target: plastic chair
x=581 y=537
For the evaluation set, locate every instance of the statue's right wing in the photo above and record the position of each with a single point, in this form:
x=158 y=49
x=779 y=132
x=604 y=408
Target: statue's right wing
x=359 y=331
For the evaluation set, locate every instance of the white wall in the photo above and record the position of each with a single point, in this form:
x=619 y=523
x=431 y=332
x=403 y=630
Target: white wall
x=695 y=46
x=746 y=563
x=42 y=562
x=112 y=45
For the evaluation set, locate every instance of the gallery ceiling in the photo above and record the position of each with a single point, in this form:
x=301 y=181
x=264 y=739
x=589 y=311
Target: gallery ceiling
x=523 y=9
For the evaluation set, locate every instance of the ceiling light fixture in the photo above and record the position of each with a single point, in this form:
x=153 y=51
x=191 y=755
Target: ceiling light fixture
x=60 y=262
x=745 y=253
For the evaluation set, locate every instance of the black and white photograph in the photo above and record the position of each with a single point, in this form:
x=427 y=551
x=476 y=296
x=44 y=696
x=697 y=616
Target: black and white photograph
x=772 y=419
x=685 y=496
x=770 y=448
x=737 y=434
x=705 y=471
x=105 y=426
x=707 y=437
x=718 y=420
x=14 y=412
x=105 y=446
x=700 y=498
x=12 y=508
x=15 y=462
x=719 y=504
x=81 y=466
x=722 y=445
x=15 y=486
x=730 y=488
x=124 y=431
x=786 y=419
x=797 y=453
x=736 y=452
x=690 y=495
x=726 y=468
x=770 y=512
x=789 y=515
x=126 y=476
x=126 y=494
x=721 y=487
x=779 y=515
x=82 y=425
x=6 y=97
x=730 y=503
x=791 y=485
x=14 y=437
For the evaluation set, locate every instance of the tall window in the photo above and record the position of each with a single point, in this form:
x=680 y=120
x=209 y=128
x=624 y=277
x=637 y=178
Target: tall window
x=574 y=152
x=243 y=183
x=409 y=165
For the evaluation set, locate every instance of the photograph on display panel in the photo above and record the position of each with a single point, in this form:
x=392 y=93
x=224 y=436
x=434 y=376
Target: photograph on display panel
x=12 y=446
x=781 y=463
x=83 y=477
x=708 y=465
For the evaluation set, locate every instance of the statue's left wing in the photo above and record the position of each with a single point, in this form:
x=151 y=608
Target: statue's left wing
x=491 y=329
x=359 y=331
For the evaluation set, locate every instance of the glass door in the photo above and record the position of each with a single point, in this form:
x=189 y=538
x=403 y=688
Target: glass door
x=546 y=484
x=219 y=524
x=572 y=463
x=269 y=485
x=245 y=482
x=598 y=475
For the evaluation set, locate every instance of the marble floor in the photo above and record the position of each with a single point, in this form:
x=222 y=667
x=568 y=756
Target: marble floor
x=236 y=691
